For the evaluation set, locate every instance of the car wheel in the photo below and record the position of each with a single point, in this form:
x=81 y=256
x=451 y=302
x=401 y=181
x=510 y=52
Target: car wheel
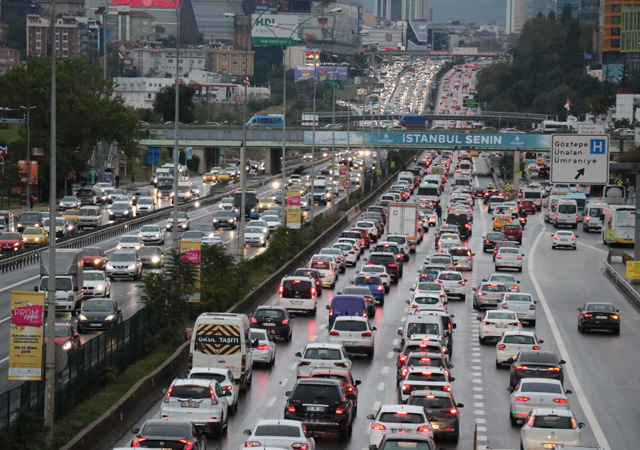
x=273 y=361
x=513 y=420
x=344 y=432
x=455 y=438
x=333 y=285
x=496 y=268
x=313 y=314
x=580 y=329
x=386 y=290
x=616 y=332
x=532 y=323
x=481 y=340
x=288 y=338
x=520 y=269
x=371 y=353
x=463 y=298
x=474 y=306
x=498 y=366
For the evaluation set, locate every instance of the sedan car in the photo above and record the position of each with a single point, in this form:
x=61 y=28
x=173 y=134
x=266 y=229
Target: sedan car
x=152 y=234
x=281 y=434
x=488 y=295
x=99 y=314
x=507 y=279
x=599 y=316
x=563 y=238
x=522 y=304
x=96 y=284
x=130 y=241
x=124 y=264
x=395 y=419
x=33 y=236
x=536 y=393
x=225 y=219
x=546 y=427
x=94 y=258
x=263 y=349
x=10 y=242
x=454 y=284
x=531 y=363
x=274 y=319
x=317 y=355
x=513 y=342
x=151 y=257
x=509 y=258
x=255 y=236
x=442 y=411
x=495 y=323
x=427 y=302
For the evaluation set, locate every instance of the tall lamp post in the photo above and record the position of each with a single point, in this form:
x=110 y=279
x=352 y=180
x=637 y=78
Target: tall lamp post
x=176 y=130
x=28 y=114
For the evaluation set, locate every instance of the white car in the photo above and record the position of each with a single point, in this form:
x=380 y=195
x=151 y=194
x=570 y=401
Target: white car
x=152 y=234
x=273 y=221
x=225 y=378
x=279 y=434
x=96 y=284
x=496 y=322
x=513 y=342
x=226 y=204
x=522 y=304
x=507 y=279
x=328 y=274
x=354 y=243
x=260 y=223
x=145 y=205
x=462 y=257
x=325 y=356
x=454 y=284
x=263 y=349
x=427 y=301
x=547 y=427
x=398 y=419
x=563 y=239
x=211 y=239
x=130 y=241
x=509 y=258
x=255 y=236
x=199 y=401
x=379 y=270
x=353 y=333
x=536 y=393
x=428 y=287
x=351 y=253
x=422 y=374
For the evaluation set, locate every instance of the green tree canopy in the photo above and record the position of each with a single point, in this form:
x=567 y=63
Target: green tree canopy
x=165 y=101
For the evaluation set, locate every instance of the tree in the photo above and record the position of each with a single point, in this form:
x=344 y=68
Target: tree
x=164 y=103
x=87 y=111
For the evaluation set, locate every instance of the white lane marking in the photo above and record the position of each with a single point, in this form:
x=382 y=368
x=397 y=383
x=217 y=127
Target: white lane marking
x=376 y=405
x=478 y=412
x=478 y=388
x=3 y=360
x=8 y=288
x=396 y=342
x=390 y=355
x=480 y=420
x=381 y=386
x=477 y=381
x=314 y=337
x=385 y=369
x=272 y=402
x=592 y=247
x=482 y=428
x=293 y=366
x=482 y=438
x=478 y=396
x=478 y=404
x=564 y=354
x=284 y=381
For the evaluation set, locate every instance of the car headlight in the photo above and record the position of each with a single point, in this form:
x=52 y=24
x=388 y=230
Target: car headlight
x=155 y=259
x=132 y=266
x=215 y=220
x=67 y=346
x=183 y=225
x=82 y=317
x=110 y=317
x=36 y=239
x=70 y=298
x=100 y=287
x=118 y=246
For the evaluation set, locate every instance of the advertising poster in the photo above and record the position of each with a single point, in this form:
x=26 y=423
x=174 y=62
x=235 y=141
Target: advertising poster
x=26 y=335
x=191 y=251
x=294 y=211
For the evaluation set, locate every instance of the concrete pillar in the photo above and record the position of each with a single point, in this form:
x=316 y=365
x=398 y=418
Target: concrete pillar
x=273 y=163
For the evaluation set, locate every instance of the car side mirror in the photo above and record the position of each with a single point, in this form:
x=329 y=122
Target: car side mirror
x=474 y=288
x=540 y=341
x=602 y=217
x=288 y=393
x=460 y=405
x=510 y=389
x=75 y=289
x=247 y=432
x=374 y=328
x=351 y=282
x=400 y=332
x=373 y=447
x=298 y=354
x=328 y=307
x=582 y=425
x=357 y=383
x=618 y=311
x=579 y=309
x=510 y=360
x=135 y=430
x=371 y=417
x=478 y=318
x=407 y=301
x=568 y=391
x=452 y=379
x=255 y=343
x=35 y=289
x=562 y=361
x=397 y=350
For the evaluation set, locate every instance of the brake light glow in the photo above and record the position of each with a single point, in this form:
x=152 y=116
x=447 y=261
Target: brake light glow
x=136 y=442
x=214 y=400
x=300 y=446
x=523 y=399
x=334 y=333
x=378 y=426
x=532 y=419
x=253 y=444
x=187 y=445
x=280 y=291
x=560 y=401
x=291 y=407
x=380 y=287
x=574 y=425
x=166 y=397
x=366 y=334
x=339 y=410
x=522 y=368
x=263 y=347
x=501 y=347
x=253 y=320
x=424 y=428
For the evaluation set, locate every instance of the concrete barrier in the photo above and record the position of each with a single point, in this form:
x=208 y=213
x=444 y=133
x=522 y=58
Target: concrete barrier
x=623 y=285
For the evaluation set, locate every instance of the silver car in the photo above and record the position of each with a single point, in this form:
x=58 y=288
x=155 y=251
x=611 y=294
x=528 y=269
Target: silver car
x=353 y=333
x=281 y=434
x=255 y=236
x=488 y=295
x=152 y=234
x=124 y=264
x=536 y=393
x=509 y=258
x=522 y=304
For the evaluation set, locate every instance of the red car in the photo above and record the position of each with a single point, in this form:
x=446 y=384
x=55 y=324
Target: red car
x=513 y=232
x=10 y=242
x=94 y=257
x=66 y=336
x=528 y=206
x=364 y=234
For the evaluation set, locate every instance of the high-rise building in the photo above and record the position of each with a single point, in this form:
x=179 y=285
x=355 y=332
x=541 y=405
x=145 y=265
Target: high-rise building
x=574 y=4
x=535 y=7
x=589 y=11
x=516 y=16
x=611 y=18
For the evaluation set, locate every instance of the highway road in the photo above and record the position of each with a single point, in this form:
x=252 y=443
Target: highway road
x=127 y=293
x=600 y=369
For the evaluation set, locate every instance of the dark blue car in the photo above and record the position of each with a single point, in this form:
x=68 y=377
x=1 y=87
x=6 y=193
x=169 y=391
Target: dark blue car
x=375 y=285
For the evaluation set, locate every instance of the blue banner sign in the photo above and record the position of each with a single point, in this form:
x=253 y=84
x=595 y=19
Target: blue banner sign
x=153 y=156
x=426 y=139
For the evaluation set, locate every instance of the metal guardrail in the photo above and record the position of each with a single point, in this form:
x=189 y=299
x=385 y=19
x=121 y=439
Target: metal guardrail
x=98 y=234
x=342 y=115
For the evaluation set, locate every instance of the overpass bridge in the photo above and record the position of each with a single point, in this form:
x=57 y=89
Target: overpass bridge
x=506 y=118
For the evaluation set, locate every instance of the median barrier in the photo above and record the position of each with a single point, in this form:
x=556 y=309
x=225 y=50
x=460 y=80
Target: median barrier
x=623 y=285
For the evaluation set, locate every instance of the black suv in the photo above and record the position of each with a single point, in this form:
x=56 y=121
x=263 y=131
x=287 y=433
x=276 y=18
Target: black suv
x=321 y=405
x=274 y=319
x=394 y=266
x=490 y=240
x=462 y=222
x=441 y=409
x=87 y=196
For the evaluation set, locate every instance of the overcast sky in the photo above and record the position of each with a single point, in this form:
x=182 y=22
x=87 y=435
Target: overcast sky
x=483 y=11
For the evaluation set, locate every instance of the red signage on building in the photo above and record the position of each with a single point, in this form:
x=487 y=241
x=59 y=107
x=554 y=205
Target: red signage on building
x=164 y=4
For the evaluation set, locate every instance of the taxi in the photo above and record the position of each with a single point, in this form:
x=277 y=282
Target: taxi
x=34 y=236
x=223 y=175
x=70 y=213
x=266 y=203
x=500 y=219
x=209 y=177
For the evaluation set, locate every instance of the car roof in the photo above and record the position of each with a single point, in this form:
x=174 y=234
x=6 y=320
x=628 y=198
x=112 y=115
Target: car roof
x=551 y=411
x=192 y=381
x=274 y=307
x=323 y=345
x=292 y=423
x=425 y=392
x=540 y=380
x=215 y=370
x=351 y=319
x=519 y=333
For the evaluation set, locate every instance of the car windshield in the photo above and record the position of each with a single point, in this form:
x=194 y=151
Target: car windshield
x=130 y=239
x=564 y=233
x=253 y=230
x=553 y=421
x=265 y=313
x=306 y=273
x=30 y=217
x=120 y=206
x=149 y=251
x=509 y=251
x=567 y=209
x=423 y=376
x=357 y=290
x=459 y=252
x=401 y=417
x=144 y=201
x=600 y=307
x=150 y=229
x=123 y=257
x=497 y=315
x=502 y=278
x=70 y=199
x=320 y=265
x=220 y=378
x=532 y=386
x=9 y=236
x=88 y=251
x=422 y=328
x=193 y=234
x=62 y=331
x=538 y=358
x=518 y=298
x=182 y=430
x=259 y=335
x=427 y=300
x=494 y=288
x=450 y=276
x=94 y=276
x=350 y=325
x=429 y=287
x=277 y=430
x=323 y=353
x=224 y=215
x=430 y=402
x=518 y=339
x=296 y=289
x=190 y=391
x=367 y=280
x=98 y=306
x=62 y=284
x=316 y=393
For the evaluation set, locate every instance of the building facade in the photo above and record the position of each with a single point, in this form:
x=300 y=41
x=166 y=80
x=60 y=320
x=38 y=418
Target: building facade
x=66 y=39
x=233 y=61
x=161 y=62
x=516 y=16
x=9 y=58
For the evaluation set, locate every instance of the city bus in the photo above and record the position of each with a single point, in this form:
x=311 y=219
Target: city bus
x=618 y=225
x=270 y=121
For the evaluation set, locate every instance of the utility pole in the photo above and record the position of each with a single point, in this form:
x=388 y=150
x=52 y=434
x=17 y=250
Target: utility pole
x=176 y=130
x=28 y=109
x=50 y=357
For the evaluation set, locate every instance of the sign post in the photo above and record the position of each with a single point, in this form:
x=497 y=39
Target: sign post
x=26 y=336
x=293 y=210
x=580 y=158
x=191 y=251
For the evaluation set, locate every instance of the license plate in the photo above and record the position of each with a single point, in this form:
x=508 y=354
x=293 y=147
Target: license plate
x=520 y=315
x=297 y=302
x=400 y=430
x=601 y=317
x=435 y=426
x=315 y=408
x=95 y=324
x=267 y=324
x=189 y=405
x=501 y=325
x=350 y=343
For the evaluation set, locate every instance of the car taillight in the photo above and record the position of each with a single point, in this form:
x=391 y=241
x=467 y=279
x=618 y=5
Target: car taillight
x=615 y=317
x=280 y=291
x=291 y=407
x=300 y=446
x=286 y=321
x=406 y=387
x=214 y=400
x=453 y=411
x=560 y=401
x=334 y=333
x=424 y=428
x=462 y=283
x=402 y=358
x=366 y=334
x=499 y=257
x=404 y=372
x=227 y=388
x=380 y=287
x=522 y=368
x=166 y=397
x=254 y=320
x=531 y=421
x=313 y=296
x=587 y=315
x=555 y=369
x=447 y=388
x=501 y=347
x=574 y=425
x=393 y=265
x=536 y=348
x=523 y=399
x=254 y=443
x=378 y=426
x=137 y=442
x=263 y=347
x=340 y=364
x=339 y=410
x=481 y=294
x=519 y=256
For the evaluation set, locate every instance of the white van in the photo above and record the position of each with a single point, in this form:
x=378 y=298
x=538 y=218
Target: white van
x=566 y=214
x=421 y=324
x=223 y=340
x=533 y=193
x=408 y=176
x=434 y=179
x=298 y=294
x=592 y=216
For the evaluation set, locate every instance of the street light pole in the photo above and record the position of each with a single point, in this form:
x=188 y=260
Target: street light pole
x=28 y=110
x=284 y=130
x=243 y=171
x=176 y=130
x=313 y=141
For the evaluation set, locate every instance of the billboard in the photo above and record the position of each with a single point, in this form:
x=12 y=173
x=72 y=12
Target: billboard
x=323 y=73
x=294 y=210
x=190 y=251
x=26 y=335
x=274 y=29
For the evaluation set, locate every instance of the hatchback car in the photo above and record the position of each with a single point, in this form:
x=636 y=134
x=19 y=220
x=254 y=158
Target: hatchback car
x=563 y=239
x=522 y=304
x=454 y=284
x=225 y=379
x=96 y=284
x=317 y=355
x=546 y=427
x=152 y=234
x=599 y=316
x=462 y=258
x=489 y=240
x=495 y=323
x=66 y=336
x=488 y=294
x=94 y=258
x=442 y=411
x=263 y=348
x=427 y=301
x=539 y=364
x=513 y=342
x=281 y=434
x=169 y=433
x=353 y=333
x=99 y=314
x=130 y=241
x=394 y=419
x=536 y=393
x=124 y=264
x=374 y=283
x=274 y=319
x=151 y=257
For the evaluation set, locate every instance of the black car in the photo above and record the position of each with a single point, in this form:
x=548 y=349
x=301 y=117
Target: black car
x=599 y=316
x=274 y=319
x=478 y=192
x=151 y=257
x=321 y=405
x=441 y=409
x=311 y=273
x=225 y=219
x=544 y=171
x=380 y=210
x=87 y=196
x=169 y=434
x=29 y=219
x=536 y=364
x=99 y=314
x=490 y=239
x=462 y=222
x=394 y=267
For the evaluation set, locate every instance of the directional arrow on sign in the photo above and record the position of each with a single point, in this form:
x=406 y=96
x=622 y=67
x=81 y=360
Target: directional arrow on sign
x=579 y=173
